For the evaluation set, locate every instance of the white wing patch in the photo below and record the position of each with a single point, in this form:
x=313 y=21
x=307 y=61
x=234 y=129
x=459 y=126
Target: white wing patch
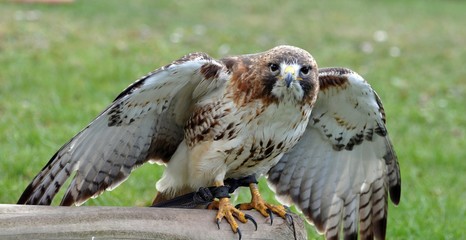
x=348 y=114
x=158 y=90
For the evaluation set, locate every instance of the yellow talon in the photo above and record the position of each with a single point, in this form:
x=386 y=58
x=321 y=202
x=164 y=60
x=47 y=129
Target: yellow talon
x=229 y=212
x=258 y=203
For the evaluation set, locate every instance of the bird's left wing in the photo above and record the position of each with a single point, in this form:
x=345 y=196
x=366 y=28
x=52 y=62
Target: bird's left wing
x=339 y=173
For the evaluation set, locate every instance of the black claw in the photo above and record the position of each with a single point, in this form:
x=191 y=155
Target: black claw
x=237 y=205
x=289 y=219
x=239 y=233
x=271 y=215
x=218 y=223
x=247 y=216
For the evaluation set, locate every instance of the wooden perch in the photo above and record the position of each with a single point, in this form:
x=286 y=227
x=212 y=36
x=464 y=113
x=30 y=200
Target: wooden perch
x=46 y=222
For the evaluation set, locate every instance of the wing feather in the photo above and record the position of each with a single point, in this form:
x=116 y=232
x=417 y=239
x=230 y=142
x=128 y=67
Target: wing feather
x=341 y=169
x=144 y=122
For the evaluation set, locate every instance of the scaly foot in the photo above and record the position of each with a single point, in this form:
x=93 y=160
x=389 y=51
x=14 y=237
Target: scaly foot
x=226 y=210
x=229 y=212
x=266 y=209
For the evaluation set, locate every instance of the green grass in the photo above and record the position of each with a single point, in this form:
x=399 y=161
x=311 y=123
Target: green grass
x=60 y=65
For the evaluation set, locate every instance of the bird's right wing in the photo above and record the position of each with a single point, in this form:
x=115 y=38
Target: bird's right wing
x=144 y=122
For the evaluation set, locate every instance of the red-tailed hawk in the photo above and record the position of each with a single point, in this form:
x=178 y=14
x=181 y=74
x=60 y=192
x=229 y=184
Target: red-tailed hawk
x=319 y=136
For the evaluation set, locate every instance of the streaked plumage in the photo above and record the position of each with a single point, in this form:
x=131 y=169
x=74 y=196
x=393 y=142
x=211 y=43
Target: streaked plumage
x=209 y=120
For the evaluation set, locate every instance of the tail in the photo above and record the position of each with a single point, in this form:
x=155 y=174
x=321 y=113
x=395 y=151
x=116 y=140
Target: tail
x=160 y=197
x=169 y=195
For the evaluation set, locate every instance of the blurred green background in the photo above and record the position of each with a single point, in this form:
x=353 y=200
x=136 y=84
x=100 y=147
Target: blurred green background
x=60 y=65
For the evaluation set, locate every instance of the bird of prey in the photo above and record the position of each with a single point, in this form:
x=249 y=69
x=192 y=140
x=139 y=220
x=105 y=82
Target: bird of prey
x=319 y=136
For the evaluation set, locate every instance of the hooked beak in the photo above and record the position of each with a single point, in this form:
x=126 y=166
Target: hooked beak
x=289 y=75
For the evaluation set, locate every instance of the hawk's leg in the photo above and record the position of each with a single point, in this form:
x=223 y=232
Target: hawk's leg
x=229 y=212
x=258 y=203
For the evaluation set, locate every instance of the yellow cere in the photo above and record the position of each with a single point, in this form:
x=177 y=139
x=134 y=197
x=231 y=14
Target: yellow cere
x=290 y=69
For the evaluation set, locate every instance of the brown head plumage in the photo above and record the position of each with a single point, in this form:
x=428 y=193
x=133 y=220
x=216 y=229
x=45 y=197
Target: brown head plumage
x=281 y=72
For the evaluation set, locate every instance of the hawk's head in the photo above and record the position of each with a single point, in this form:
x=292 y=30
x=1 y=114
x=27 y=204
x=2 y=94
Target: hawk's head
x=283 y=73
x=290 y=72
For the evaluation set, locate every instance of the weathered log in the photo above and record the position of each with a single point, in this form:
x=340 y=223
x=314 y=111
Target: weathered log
x=46 y=222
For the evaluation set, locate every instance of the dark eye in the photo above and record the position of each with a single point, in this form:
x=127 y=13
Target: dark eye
x=274 y=68
x=305 y=70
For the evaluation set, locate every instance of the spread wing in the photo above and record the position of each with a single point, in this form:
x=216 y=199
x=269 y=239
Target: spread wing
x=339 y=172
x=144 y=122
